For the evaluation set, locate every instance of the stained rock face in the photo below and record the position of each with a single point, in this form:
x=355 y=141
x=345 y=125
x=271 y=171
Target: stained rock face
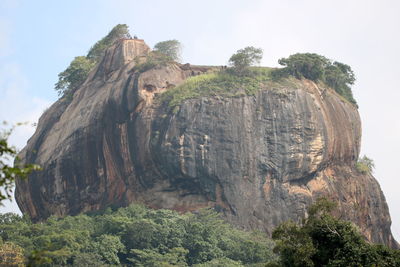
x=260 y=160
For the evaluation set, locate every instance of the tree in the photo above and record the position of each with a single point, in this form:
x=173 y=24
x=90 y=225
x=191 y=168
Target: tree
x=78 y=70
x=340 y=77
x=88 y=260
x=9 y=173
x=294 y=245
x=365 y=165
x=73 y=77
x=308 y=65
x=245 y=58
x=317 y=68
x=108 y=246
x=120 y=31
x=220 y=262
x=171 y=49
x=136 y=236
x=11 y=255
x=324 y=240
x=151 y=258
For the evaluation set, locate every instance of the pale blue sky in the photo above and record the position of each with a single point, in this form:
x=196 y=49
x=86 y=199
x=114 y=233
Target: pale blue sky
x=39 y=38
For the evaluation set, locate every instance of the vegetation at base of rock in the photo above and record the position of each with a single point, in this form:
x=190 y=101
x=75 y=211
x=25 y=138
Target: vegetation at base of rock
x=316 y=68
x=135 y=236
x=221 y=83
x=11 y=255
x=365 y=165
x=324 y=240
x=9 y=173
x=223 y=262
x=171 y=49
x=244 y=58
x=70 y=79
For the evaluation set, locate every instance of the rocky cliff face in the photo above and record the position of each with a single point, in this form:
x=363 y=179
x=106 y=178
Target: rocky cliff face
x=260 y=160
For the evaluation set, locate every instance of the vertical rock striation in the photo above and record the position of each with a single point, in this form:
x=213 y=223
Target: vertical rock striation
x=260 y=160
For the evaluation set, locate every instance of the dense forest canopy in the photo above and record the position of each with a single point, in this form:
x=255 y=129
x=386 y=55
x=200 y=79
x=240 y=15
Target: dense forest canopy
x=134 y=236
x=139 y=236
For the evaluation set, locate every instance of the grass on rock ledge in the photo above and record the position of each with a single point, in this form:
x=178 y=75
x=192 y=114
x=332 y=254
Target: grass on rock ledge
x=228 y=84
x=222 y=83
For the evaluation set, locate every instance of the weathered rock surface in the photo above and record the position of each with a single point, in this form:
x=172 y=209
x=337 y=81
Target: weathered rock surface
x=260 y=160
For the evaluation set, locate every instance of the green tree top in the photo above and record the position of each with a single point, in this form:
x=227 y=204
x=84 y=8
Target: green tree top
x=70 y=79
x=316 y=68
x=135 y=236
x=118 y=32
x=365 y=165
x=245 y=58
x=171 y=49
x=308 y=65
x=324 y=240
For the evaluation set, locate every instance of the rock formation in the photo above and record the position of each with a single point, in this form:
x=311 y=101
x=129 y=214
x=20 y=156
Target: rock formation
x=260 y=160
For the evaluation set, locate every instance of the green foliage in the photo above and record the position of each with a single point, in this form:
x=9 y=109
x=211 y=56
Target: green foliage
x=309 y=66
x=315 y=67
x=171 y=49
x=220 y=262
x=218 y=83
x=150 y=258
x=135 y=236
x=120 y=31
x=9 y=173
x=324 y=240
x=244 y=58
x=294 y=245
x=153 y=59
x=108 y=247
x=70 y=79
x=365 y=165
x=73 y=77
x=87 y=260
x=11 y=255
x=340 y=77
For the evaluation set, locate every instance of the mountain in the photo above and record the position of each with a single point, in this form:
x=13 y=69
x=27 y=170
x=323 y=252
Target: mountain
x=258 y=156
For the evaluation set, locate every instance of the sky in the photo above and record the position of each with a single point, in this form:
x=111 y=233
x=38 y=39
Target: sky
x=39 y=38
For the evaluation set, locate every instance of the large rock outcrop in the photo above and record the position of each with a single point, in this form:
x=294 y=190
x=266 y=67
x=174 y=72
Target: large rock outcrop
x=260 y=159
